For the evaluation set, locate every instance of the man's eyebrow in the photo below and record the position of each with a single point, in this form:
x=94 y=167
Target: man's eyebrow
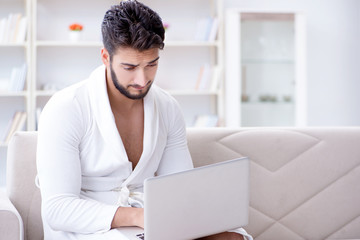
x=154 y=60
x=130 y=65
x=133 y=65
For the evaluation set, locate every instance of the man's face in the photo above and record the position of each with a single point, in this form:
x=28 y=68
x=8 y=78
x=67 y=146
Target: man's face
x=133 y=72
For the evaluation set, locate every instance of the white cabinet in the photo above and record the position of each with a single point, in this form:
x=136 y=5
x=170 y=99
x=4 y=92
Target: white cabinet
x=268 y=73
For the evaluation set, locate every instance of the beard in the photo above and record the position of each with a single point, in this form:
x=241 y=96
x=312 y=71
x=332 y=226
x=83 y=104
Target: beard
x=122 y=89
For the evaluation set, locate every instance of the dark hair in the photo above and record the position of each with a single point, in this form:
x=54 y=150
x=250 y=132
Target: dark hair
x=132 y=24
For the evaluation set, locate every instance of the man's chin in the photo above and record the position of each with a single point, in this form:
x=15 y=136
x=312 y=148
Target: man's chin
x=139 y=95
x=135 y=97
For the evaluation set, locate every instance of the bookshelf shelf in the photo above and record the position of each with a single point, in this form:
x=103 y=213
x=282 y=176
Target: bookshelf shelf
x=5 y=45
x=13 y=94
x=191 y=44
x=185 y=92
x=258 y=103
x=267 y=61
x=68 y=44
x=99 y=44
x=42 y=93
x=191 y=92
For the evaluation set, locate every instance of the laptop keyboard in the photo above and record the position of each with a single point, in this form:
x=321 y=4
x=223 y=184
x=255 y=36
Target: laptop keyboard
x=141 y=236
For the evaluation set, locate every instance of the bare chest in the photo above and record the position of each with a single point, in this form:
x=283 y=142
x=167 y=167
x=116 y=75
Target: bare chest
x=131 y=132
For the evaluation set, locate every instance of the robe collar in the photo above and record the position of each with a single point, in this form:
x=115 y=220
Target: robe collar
x=105 y=121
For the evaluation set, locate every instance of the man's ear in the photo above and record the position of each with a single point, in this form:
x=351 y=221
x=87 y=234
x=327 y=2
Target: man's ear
x=105 y=57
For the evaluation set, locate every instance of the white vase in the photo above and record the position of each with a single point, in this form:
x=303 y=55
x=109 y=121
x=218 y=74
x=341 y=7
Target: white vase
x=74 y=36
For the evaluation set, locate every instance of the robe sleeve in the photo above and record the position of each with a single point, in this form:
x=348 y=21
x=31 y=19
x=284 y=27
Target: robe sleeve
x=61 y=129
x=176 y=156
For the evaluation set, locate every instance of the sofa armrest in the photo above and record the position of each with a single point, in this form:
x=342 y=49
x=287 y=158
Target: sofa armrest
x=11 y=225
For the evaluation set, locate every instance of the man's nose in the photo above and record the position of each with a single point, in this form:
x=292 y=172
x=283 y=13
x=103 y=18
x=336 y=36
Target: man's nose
x=140 y=78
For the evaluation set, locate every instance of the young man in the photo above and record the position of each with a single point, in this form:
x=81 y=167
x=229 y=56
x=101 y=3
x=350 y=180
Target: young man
x=98 y=140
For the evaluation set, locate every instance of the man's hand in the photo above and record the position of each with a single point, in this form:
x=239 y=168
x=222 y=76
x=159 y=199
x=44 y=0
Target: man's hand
x=128 y=216
x=224 y=236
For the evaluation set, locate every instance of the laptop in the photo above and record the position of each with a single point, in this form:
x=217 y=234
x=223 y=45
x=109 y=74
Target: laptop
x=195 y=203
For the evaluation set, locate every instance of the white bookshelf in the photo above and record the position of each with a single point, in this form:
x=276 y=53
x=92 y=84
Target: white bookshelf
x=13 y=55
x=55 y=62
x=180 y=63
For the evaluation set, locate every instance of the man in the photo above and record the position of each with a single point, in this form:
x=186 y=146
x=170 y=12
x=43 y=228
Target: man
x=98 y=140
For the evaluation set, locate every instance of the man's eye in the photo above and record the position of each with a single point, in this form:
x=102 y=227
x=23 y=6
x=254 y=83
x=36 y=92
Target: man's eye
x=129 y=68
x=152 y=65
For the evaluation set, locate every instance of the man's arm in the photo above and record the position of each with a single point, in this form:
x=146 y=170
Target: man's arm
x=59 y=171
x=128 y=216
x=176 y=156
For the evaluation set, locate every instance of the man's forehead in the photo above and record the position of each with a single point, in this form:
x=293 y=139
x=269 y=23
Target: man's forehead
x=131 y=55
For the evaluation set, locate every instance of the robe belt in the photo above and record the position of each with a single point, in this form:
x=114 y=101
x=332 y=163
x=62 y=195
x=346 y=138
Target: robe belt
x=128 y=198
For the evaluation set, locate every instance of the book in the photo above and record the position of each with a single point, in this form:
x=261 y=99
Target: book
x=20 y=37
x=17 y=79
x=214 y=29
x=201 y=72
x=4 y=84
x=6 y=131
x=13 y=28
x=17 y=124
x=202 y=29
x=207 y=29
x=208 y=78
x=215 y=78
x=204 y=77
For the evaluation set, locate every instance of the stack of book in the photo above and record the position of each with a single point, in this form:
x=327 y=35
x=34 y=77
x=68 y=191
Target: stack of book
x=16 y=82
x=17 y=79
x=208 y=78
x=207 y=29
x=17 y=123
x=13 y=29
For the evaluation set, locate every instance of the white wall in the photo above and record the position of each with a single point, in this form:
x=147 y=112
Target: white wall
x=333 y=56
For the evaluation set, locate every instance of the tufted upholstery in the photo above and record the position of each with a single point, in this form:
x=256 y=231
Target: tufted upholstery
x=304 y=183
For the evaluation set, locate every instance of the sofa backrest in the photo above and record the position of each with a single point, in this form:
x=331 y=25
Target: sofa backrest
x=20 y=182
x=304 y=183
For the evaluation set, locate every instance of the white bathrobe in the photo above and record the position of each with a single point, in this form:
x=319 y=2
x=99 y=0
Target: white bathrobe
x=83 y=170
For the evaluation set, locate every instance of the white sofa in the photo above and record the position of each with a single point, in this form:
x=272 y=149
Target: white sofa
x=304 y=182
